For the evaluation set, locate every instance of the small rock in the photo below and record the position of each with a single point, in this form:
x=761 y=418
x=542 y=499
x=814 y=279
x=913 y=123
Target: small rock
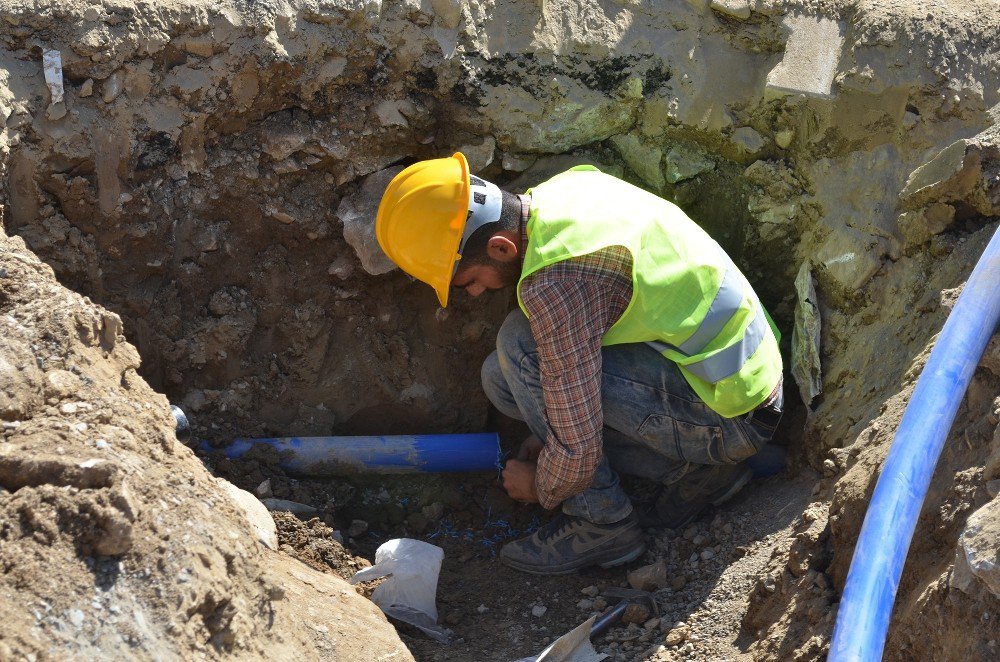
x=585 y=604
x=829 y=467
x=699 y=540
x=678 y=582
x=784 y=138
x=590 y=591
x=264 y=489
x=87 y=89
x=651 y=624
x=482 y=609
x=76 y=618
x=338 y=536
x=356 y=528
x=708 y=554
x=650 y=577
x=677 y=635
x=690 y=532
x=738 y=9
x=600 y=604
x=539 y=610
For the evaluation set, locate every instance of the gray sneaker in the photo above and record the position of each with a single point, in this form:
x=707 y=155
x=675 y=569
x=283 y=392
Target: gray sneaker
x=567 y=544
x=708 y=485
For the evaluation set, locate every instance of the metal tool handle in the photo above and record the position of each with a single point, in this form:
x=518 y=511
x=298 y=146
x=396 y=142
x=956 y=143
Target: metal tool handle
x=608 y=618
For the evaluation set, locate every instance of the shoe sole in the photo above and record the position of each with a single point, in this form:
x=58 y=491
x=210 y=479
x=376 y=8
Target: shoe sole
x=574 y=566
x=740 y=483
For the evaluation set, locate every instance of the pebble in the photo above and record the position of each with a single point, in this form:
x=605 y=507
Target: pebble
x=677 y=635
x=651 y=624
x=600 y=604
x=591 y=591
x=585 y=603
x=708 y=554
x=539 y=610
x=102 y=444
x=482 y=609
x=76 y=618
x=678 y=582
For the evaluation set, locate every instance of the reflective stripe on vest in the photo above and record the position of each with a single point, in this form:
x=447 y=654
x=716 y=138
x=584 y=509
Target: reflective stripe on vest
x=727 y=361
x=727 y=302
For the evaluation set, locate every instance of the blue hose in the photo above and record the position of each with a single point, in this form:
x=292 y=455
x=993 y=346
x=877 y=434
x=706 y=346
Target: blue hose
x=866 y=606
x=424 y=453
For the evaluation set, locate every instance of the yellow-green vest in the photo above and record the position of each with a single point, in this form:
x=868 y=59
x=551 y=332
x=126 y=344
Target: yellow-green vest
x=689 y=300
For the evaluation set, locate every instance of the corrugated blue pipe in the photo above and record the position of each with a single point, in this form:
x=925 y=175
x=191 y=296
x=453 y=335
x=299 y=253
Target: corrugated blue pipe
x=866 y=606
x=422 y=453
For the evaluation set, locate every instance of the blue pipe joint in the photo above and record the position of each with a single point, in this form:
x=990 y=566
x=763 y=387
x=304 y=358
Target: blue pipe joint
x=333 y=456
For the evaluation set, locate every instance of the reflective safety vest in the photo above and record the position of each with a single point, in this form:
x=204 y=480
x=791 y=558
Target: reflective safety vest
x=689 y=300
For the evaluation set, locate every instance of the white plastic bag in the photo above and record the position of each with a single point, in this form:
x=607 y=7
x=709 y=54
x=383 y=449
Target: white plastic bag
x=410 y=592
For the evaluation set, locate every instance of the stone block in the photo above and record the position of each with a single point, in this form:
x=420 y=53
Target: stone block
x=950 y=175
x=852 y=257
x=685 y=162
x=917 y=227
x=812 y=55
x=642 y=158
x=748 y=141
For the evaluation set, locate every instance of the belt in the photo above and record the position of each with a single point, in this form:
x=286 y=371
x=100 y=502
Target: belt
x=767 y=415
x=765 y=418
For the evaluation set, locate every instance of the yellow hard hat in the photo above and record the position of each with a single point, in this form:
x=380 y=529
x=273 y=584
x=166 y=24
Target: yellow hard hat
x=422 y=217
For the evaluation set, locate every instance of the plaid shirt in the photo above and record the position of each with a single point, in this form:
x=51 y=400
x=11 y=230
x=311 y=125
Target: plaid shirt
x=571 y=305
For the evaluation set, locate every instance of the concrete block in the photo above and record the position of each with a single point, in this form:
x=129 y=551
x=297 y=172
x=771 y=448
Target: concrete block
x=810 y=61
x=739 y=9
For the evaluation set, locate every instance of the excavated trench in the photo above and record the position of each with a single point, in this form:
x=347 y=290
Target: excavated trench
x=213 y=181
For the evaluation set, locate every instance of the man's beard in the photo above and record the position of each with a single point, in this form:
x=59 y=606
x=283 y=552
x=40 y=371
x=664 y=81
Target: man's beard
x=510 y=272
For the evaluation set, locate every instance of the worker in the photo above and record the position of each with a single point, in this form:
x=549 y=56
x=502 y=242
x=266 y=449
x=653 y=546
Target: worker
x=637 y=347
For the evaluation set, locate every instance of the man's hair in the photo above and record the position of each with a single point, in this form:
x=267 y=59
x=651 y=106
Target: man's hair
x=510 y=219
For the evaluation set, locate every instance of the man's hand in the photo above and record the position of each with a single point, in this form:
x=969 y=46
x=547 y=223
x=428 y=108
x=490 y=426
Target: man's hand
x=530 y=449
x=519 y=481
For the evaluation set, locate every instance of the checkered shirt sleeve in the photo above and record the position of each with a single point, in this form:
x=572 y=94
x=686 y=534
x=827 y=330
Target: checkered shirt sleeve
x=570 y=305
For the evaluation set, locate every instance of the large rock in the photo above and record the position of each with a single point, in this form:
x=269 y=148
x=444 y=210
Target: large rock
x=358 y=211
x=978 y=556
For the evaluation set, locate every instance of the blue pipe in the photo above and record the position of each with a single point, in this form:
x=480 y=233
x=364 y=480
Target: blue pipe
x=330 y=456
x=866 y=606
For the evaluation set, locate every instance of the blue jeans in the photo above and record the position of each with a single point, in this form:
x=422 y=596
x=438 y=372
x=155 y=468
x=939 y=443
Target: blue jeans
x=655 y=426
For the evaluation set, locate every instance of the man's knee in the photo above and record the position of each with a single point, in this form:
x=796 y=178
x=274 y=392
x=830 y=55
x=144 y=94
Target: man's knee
x=494 y=384
x=514 y=337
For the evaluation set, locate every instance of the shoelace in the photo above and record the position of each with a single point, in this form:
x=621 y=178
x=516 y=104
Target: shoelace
x=566 y=524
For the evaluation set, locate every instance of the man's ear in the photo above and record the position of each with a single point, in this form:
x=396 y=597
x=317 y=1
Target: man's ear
x=501 y=248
